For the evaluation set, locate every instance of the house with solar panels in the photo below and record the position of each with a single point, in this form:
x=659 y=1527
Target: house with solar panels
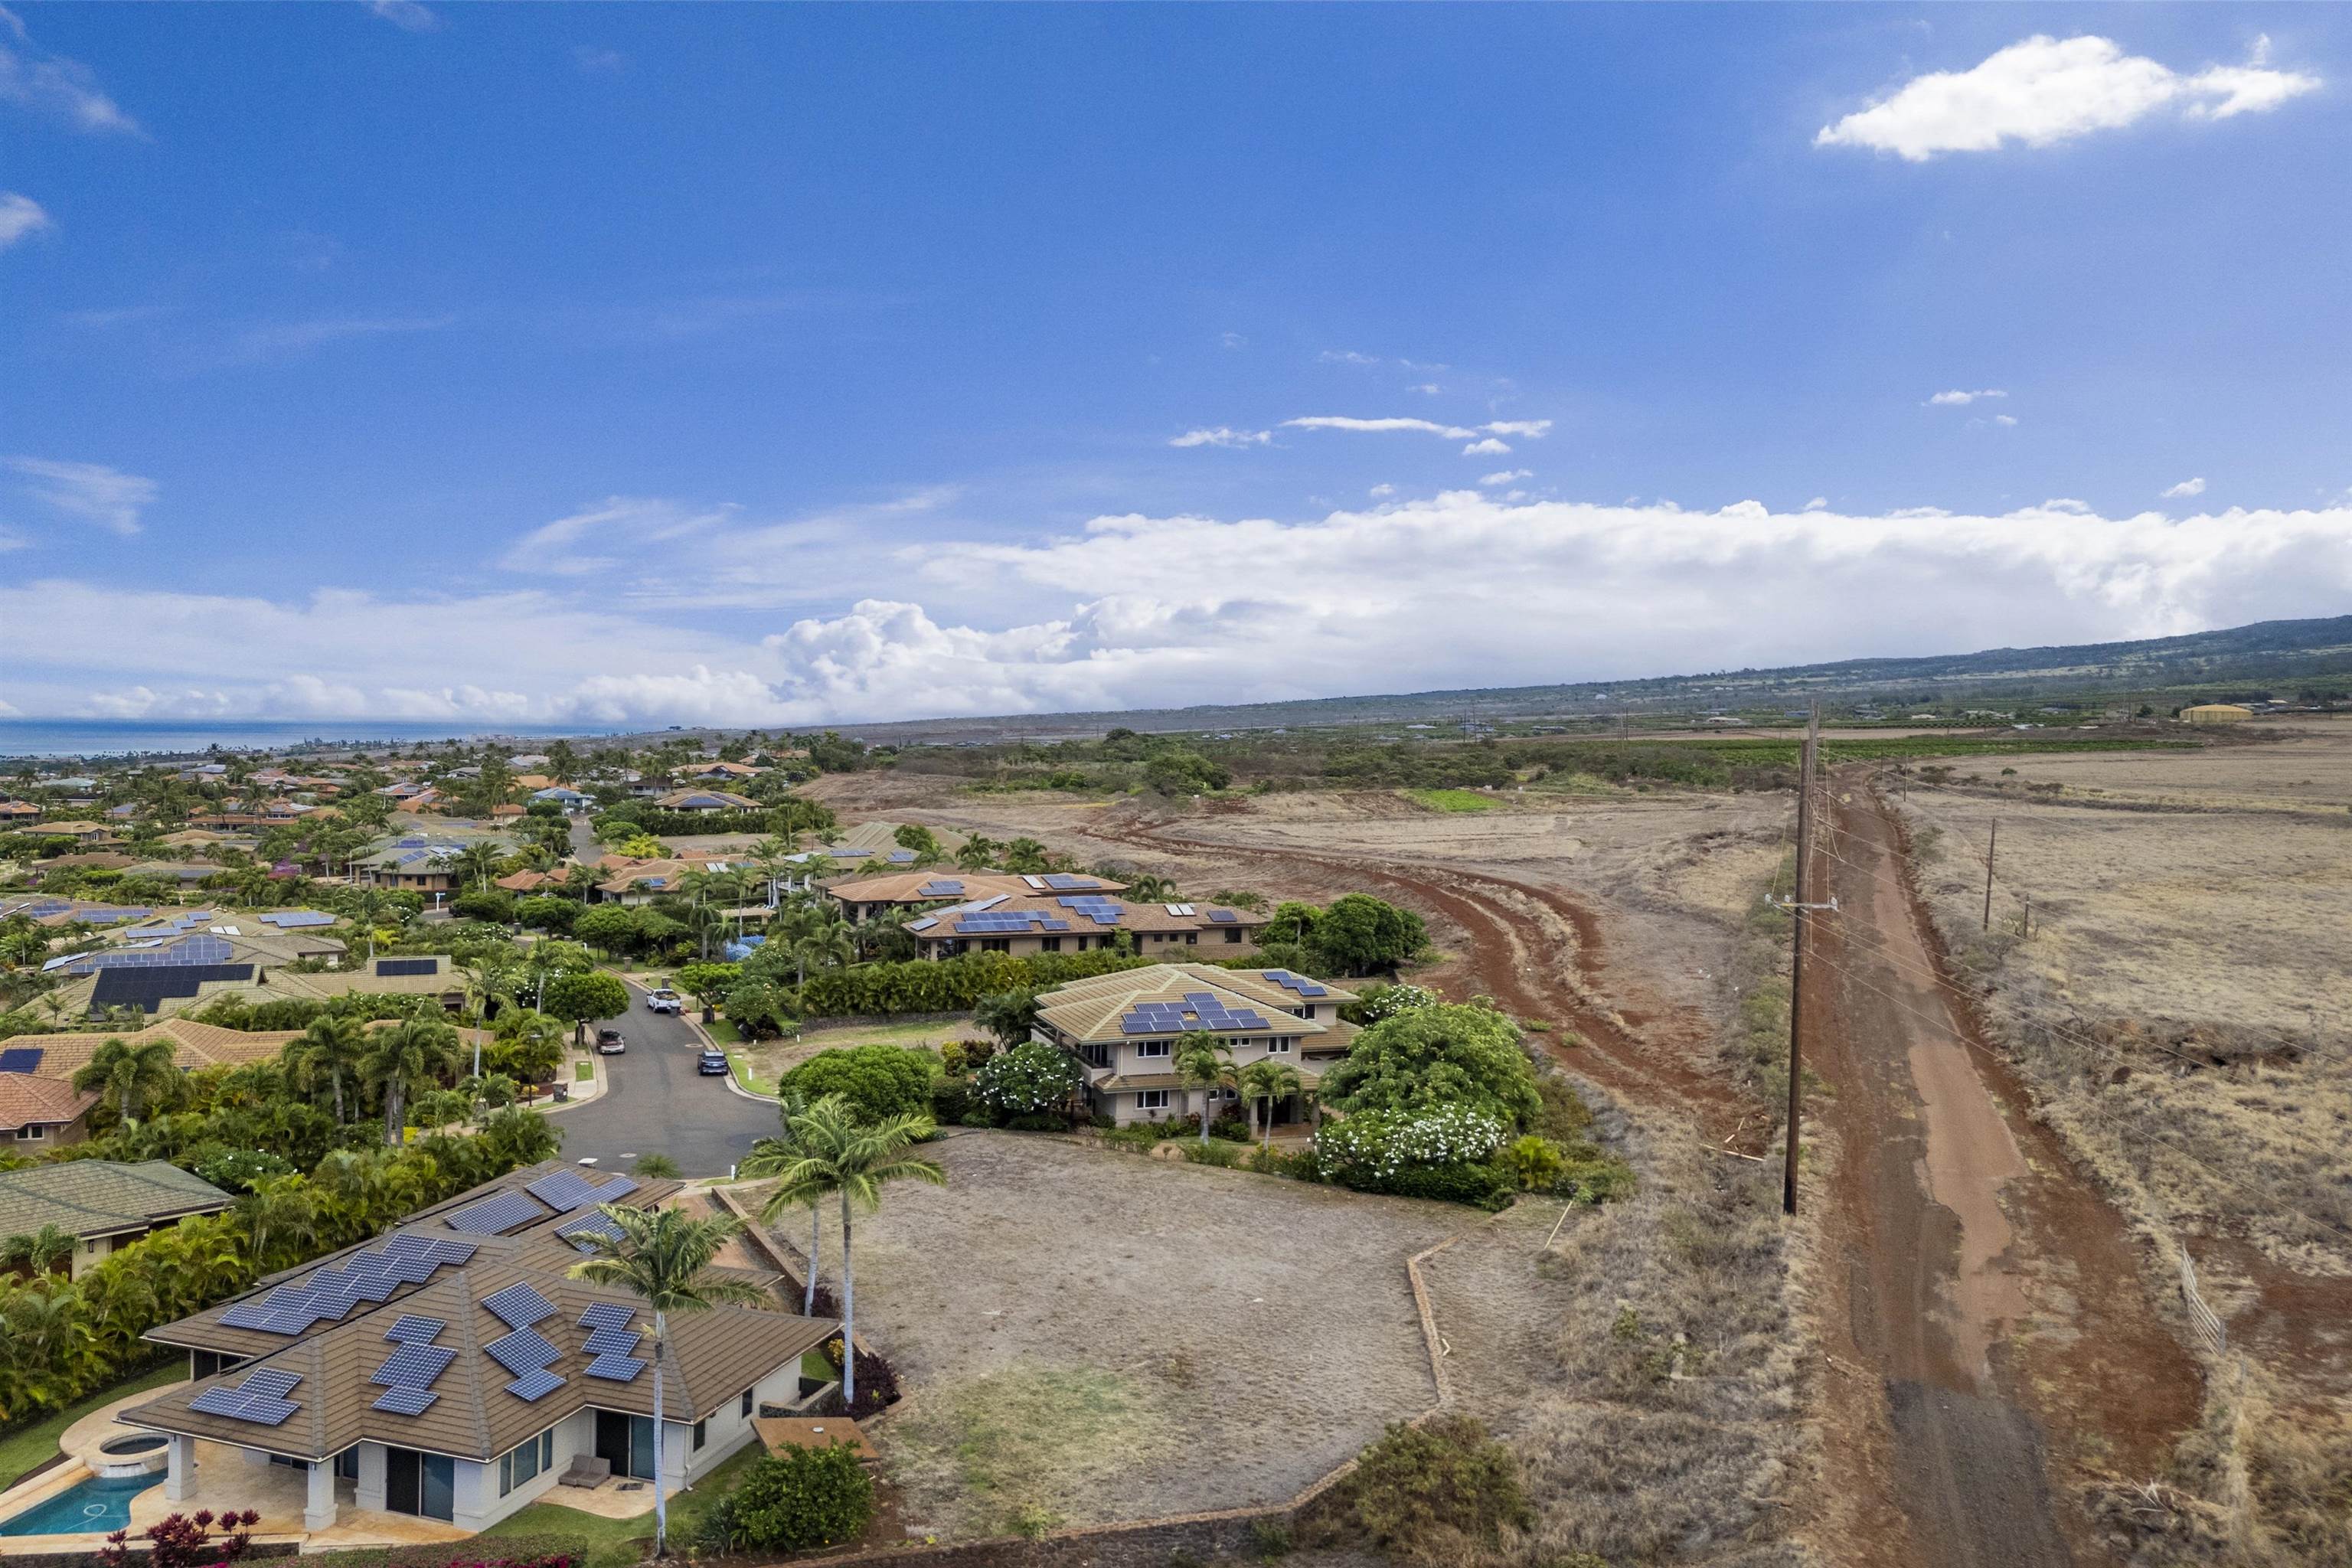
x=862 y=897
x=700 y=801
x=452 y=1370
x=1123 y=1028
x=1045 y=920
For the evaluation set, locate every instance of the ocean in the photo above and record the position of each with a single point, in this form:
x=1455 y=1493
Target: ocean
x=115 y=738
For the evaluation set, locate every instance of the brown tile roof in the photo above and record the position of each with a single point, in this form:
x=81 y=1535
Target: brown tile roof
x=194 y=1046
x=1091 y=1009
x=1131 y=917
x=906 y=886
x=704 y=798
x=29 y=1101
x=102 y=1197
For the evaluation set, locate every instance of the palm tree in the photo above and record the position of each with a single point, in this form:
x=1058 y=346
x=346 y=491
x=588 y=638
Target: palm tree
x=404 y=1056
x=1273 y=1082
x=663 y=1257
x=770 y=1157
x=1148 y=889
x=838 y=1153
x=132 y=1076
x=44 y=1251
x=279 y=1208
x=330 y=1048
x=1205 y=1062
x=490 y=981
x=367 y=908
x=479 y=860
x=547 y=958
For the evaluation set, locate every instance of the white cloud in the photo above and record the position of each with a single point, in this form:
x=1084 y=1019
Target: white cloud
x=1489 y=448
x=43 y=83
x=594 y=61
x=1962 y=399
x=1819 y=503
x=1221 y=436
x=1426 y=388
x=290 y=339
x=1505 y=475
x=20 y=216
x=2045 y=91
x=1518 y=427
x=1381 y=492
x=1376 y=426
x=1140 y=611
x=2185 y=488
x=409 y=15
x=1233 y=341
x=91 y=491
x=2006 y=421
x=1346 y=356
x=565 y=547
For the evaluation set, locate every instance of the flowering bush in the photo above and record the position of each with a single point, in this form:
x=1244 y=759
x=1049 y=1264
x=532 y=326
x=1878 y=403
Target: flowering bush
x=1026 y=1080
x=1378 y=1146
x=180 y=1541
x=1387 y=1001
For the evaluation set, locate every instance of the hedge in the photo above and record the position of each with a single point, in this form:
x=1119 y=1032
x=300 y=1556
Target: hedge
x=949 y=985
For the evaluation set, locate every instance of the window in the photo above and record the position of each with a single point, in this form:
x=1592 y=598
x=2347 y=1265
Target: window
x=1151 y=1099
x=523 y=1463
x=1278 y=1047
x=1050 y=945
x=746 y=1411
x=996 y=944
x=1234 y=934
x=1191 y=939
x=1151 y=1048
x=1095 y=1056
x=701 y=1431
x=31 y=1134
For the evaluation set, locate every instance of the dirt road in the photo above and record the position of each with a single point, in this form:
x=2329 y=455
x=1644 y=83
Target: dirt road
x=1991 y=1297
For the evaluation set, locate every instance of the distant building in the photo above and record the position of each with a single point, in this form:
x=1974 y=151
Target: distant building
x=102 y=1204
x=2216 y=714
x=1032 y=924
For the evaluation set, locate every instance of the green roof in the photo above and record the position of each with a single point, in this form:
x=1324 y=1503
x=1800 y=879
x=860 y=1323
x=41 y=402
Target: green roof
x=99 y=1197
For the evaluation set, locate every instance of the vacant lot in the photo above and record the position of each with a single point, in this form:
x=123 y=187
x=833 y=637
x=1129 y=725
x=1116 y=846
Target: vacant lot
x=1090 y=1336
x=762 y=1063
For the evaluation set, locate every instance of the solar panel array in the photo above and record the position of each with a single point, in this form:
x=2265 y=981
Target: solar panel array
x=260 y=1399
x=902 y=856
x=940 y=888
x=519 y=1306
x=840 y=854
x=291 y=919
x=595 y=1224
x=202 y=949
x=1063 y=880
x=1223 y=917
x=496 y=1216
x=1096 y=907
x=999 y=922
x=20 y=1059
x=385 y=967
x=328 y=1293
x=148 y=989
x=1199 y=1010
x=1298 y=983
x=564 y=1191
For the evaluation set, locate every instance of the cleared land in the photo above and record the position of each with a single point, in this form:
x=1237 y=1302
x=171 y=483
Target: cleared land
x=759 y=1065
x=1090 y=1336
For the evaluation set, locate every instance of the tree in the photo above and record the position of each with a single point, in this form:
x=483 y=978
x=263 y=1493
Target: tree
x=818 y=937
x=770 y=1157
x=478 y=861
x=708 y=983
x=879 y=1081
x=1148 y=889
x=977 y=853
x=614 y=928
x=408 y=1056
x=1203 y=1062
x=578 y=998
x=131 y=1076
x=330 y=1051
x=546 y=913
x=663 y=1257
x=838 y=1153
x=758 y=1007
x=49 y=1250
x=529 y=1046
x=1009 y=1015
x=914 y=835
x=657 y=1167
x=1271 y=1081
x=544 y=960
x=490 y=980
x=1432 y=1057
x=1359 y=933
x=1027 y=857
x=1032 y=1079
x=279 y=1208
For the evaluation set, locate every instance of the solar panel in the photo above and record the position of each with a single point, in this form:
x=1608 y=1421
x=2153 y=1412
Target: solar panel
x=939 y=891
x=607 y=1315
x=20 y=1059
x=147 y=989
x=1298 y=983
x=415 y=1366
x=407 y=1401
x=525 y=1349
x=563 y=1191
x=534 y=1386
x=290 y=920
x=1224 y=917
x=436 y=1251
x=611 y=1342
x=250 y=1314
x=495 y=1216
x=902 y=856
x=618 y=1188
x=616 y=1368
x=596 y=1223
x=387 y=967
x=260 y=1399
x=411 y=1330
x=275 y=1382
x=518 y=1305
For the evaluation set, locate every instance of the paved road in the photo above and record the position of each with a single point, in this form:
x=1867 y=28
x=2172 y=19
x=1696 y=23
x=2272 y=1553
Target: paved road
x=656 y=1101
x=584 y=848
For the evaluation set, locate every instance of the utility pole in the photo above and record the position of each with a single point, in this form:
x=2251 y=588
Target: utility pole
x=1800 y=907
x=1992 y=843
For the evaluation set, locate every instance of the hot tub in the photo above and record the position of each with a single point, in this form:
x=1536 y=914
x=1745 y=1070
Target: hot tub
x=133 y=1454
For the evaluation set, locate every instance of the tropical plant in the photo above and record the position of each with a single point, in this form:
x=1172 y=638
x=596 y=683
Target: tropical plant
x=1030 y=1079
x=796 y=1500
x=663 y=1257
x=131 y=1076
x=403 y=1059
x=330 y=1051
x=657 y=1167
x=578 y=998
x=49 y=1250
x=1432 y=1057
x=478 y=861
x=1009 y=1015
x=1270 y=1081
x=879 y=1081
x=547 y=960
x=768 y=1157
x=279 y=1209
x=1202 y=1062
x=838 y=1153
x=708 y=983
x=1151 y=888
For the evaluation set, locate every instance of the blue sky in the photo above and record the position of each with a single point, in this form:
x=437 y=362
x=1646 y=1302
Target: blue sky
x=779 y=364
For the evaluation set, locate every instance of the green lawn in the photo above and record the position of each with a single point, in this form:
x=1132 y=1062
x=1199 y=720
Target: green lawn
x=740 y=1065
x=1451 y=799
x=27 y=1447
x=724 y=1032
x=612 y=1542
x=586 y=1072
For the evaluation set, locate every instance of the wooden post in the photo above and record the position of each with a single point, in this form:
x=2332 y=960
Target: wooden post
x=1992 y=843
x=1796 y=959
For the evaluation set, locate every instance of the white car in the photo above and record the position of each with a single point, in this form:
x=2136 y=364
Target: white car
x=664 y=1001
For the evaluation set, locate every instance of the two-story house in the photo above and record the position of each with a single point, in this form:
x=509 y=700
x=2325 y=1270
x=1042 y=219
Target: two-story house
x=1029 y=923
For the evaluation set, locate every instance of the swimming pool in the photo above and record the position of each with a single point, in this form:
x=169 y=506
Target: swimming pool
x=100 y=1503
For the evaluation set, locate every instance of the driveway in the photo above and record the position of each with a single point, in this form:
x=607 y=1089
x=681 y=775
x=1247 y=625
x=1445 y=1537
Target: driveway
x=655 y=1101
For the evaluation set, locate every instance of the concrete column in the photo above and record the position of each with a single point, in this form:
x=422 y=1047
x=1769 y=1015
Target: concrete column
x=320 y=1512
x=180 y=1478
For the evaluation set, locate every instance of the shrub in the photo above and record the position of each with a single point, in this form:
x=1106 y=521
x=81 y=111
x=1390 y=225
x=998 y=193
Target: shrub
x=1439 y=1055
x=878 y=1380
x=484 y=904
x=1436 y=1492
x=1534 y=1163
x=1447 y=1154
x=878 y=1080
x=952 y=985
x=1027 y=1080
x=1359 y=933
x=182 y=1541
x=795 y=1501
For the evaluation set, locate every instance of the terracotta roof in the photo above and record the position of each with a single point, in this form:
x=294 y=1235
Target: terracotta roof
x=194 y=1046
x=101 y=1197
x=29 y=1101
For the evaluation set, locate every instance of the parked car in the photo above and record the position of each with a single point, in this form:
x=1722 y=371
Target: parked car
x=713 y=1064
x=609 y=1043
x=664 y=1001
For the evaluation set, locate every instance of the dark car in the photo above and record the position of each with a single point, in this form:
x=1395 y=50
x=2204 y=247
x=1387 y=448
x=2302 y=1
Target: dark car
x=712 y=1065
x=609 y=1043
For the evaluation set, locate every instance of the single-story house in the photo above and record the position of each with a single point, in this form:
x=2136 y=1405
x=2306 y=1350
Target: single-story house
x=1123 y=1028
x=705 y=800
x=715 y=771
x=102 y=1204
x=452 y=1369
x=1030 y=924
x=42 y=1112
x=80 y=832
x=862 y=898
x=571 y=800
x=193 y=1045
